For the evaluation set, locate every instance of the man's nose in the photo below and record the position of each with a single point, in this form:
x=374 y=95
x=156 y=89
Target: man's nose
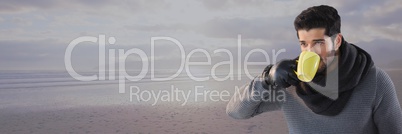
x=313 y=48
x=310 y=48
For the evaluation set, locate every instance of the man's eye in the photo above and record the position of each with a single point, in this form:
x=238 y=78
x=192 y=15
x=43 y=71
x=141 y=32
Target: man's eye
x=302 y=44
x=319 y=43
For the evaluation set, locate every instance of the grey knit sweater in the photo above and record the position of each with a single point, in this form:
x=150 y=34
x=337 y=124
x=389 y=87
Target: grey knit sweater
x=373 y=108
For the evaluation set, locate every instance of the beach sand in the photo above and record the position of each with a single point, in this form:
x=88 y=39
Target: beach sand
x=139 y=119
x=99 y=108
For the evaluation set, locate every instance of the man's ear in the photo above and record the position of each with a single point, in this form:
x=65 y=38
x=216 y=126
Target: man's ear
x=338 y=41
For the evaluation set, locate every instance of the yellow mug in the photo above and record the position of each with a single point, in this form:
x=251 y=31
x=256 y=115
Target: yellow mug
x=307 y=66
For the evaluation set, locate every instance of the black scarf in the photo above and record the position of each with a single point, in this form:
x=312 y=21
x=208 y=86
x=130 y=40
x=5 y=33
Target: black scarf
x=354 y=64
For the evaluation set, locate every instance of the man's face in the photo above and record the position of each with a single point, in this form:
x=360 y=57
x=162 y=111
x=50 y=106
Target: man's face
x=315 y=40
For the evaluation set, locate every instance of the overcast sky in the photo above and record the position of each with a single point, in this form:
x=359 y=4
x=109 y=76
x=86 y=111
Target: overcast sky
x=34 y=34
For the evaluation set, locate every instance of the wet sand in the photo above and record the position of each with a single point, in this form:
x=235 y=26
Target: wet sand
x=101 y=109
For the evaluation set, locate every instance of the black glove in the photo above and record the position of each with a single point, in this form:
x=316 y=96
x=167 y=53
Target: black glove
x=282 y=74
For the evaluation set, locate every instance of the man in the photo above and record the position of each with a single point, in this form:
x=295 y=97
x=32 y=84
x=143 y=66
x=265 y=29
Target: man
x=365 y=100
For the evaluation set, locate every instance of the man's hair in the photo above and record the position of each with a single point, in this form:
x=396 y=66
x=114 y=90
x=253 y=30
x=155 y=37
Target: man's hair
x=319 y=17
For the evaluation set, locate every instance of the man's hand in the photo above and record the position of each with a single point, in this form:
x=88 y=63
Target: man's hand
x=282 y=74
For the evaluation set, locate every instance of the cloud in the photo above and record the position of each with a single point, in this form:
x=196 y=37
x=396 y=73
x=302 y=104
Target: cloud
x=256 y=8
x=35 y=33
x=383 y=51
x=98 y=7
x=158 y=27
x=381 y=9
x=26 y=5
x=21 y=21
x=259 y=28
x=214 y=4
x=32 y=54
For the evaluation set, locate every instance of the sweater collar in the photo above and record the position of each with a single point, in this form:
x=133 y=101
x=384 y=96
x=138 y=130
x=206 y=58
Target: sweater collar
x=354 y=64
